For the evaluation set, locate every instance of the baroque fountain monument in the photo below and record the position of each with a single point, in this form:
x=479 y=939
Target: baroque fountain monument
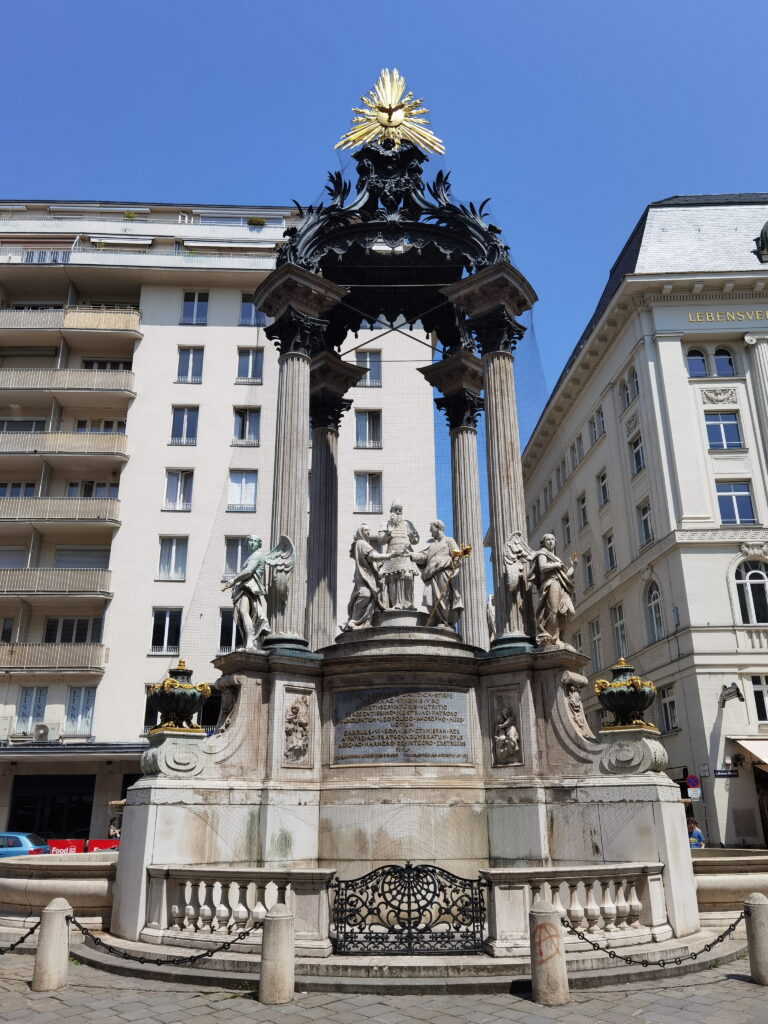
x=408 y=726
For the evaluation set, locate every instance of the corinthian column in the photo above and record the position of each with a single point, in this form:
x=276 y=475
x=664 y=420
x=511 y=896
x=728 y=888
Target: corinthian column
x=459 y=377
x=758 y=343
x=330 y=378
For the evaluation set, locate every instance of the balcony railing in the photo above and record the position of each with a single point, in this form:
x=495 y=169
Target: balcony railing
x=372 y=510
x=241 y=508
x=55 y=442
x=55 y=581
x=131 y=258
x=245 y=442
x=79 y=318
x=752 y=638
x=70 y=509
x=83 y=657
x=367 y=444
x=22 y=378
x=366 y=383
x=183 y=440
x=177 y=506
x=168 y=649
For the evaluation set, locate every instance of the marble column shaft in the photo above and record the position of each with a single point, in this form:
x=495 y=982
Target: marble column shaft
x=468 y=529
x=758 y=346
x=323 y=531
x=289 y=502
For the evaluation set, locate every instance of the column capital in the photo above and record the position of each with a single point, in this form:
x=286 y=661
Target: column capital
x=753 y=339
x=291 y=286
x=461 y=408
x=329 y=370
x=496 y=330
x=326 y=409
x=297 y=332
x=499 y=284
x=460 y=370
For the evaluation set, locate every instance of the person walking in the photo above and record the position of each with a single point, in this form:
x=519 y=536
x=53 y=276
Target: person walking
x=695 y=835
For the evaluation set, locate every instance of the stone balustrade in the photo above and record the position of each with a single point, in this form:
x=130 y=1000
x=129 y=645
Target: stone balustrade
x=203 y=905
x=615 y=904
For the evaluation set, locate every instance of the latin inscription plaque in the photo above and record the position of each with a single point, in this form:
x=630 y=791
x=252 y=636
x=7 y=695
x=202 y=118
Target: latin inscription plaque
x=401 y=725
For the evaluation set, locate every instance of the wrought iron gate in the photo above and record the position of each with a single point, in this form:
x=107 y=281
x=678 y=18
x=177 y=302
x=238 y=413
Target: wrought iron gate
x=411 y=909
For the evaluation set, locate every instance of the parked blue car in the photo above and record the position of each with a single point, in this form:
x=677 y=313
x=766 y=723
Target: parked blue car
x=16 y=844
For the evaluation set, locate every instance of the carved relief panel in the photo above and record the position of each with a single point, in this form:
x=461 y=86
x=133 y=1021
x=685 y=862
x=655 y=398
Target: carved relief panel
x=297 y=727
x=506 y=742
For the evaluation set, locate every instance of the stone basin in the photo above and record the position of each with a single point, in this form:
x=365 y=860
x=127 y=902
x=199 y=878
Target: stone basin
x=85 y=880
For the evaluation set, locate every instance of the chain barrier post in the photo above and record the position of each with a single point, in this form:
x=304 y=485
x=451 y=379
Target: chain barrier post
x=52 y=956
x=756 y=913
x=549 y=974
x=277 y=977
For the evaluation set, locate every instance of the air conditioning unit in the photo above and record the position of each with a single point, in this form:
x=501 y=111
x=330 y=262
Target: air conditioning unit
x=46 y=732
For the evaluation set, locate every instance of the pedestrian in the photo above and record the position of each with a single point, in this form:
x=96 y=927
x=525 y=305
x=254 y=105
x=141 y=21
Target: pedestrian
x=695 y=835
x=114 y=830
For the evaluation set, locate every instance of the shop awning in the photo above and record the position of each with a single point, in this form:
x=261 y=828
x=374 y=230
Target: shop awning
x=758 y=748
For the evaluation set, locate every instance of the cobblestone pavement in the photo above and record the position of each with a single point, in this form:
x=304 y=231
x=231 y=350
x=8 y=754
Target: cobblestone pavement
x=721 y=994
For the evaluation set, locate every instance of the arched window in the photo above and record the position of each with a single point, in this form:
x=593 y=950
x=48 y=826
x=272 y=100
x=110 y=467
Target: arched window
x=752 y=588
x=724 y=363
x=633 y=384
x=654 y=613
x=624 y=394
x=697 y=364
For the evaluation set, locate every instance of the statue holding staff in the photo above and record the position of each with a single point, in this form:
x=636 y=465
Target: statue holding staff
x=253 y=595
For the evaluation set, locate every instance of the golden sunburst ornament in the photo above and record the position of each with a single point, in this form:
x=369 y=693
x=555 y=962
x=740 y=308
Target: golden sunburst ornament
x=388 y=114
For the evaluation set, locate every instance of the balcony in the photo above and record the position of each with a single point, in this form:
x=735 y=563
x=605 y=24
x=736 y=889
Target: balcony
x=55 y=442
x=45 y=379
x=100 y=510
x=55 y=657
x=56 y=581
x=76 y=318
x=131 y=258
x=752 y=638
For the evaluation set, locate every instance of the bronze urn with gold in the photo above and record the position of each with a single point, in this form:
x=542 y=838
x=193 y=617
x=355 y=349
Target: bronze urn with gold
x=177 y=699
x=626 y=696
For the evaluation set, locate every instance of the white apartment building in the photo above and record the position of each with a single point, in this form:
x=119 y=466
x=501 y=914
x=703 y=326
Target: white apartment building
x=650 y=461
x=137 y=418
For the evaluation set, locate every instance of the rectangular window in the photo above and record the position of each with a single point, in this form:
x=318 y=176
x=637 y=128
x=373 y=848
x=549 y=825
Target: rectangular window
x=600 y=422
x=595 y=644
x=610 y=552
x=184 y=424
x=636 y=455
x=566 y=524
x=99 y=426
x=80 y=702
x=645 y=523
x=250 y=316
x=107 y=364
x=246 y=427
x=236 y=552
x=592 y=430
x=723 y=430
x=17 y=489
x=602 y=488
x=20 y=426
x=250 y=365
x=735 y=500
x=230 y=636
x=760 y=690
x=6 y=630
x=581 y=506
x=13 y=558
x=368 y=429
x=178 y=490
x=668 y=710
x=242 y=490
x=173 y=558
x=577 y=642
x=619 y=629
x=372 y=361
x=368 y=493
x=70 y=630
x=80 y=558
x=166 y=630
x=92 y=489
x=30 y=709
x=194 y=309
x=190 y=366
x=589 y=572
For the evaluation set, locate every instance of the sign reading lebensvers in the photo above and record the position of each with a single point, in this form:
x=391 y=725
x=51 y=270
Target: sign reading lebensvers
x=720 y=316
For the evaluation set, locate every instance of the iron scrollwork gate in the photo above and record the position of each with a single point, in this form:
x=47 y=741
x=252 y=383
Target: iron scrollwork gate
x=416 y=909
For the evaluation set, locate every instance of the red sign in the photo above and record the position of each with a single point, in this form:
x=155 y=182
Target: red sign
x=67 y=845
x=103 y=844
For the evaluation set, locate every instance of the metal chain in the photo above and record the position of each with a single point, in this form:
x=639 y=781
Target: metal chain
x=18 y=942
x=168 y=961
x=653 y=963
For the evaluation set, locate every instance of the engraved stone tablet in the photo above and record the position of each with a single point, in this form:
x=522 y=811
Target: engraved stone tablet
x=401 y=725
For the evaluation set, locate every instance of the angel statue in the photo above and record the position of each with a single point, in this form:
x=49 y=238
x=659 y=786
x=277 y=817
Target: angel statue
x=252 y=598
x=554 y=582
x=365 y=592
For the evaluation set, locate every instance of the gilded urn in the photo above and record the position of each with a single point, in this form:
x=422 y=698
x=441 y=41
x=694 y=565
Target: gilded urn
x=178 y=699
x=626 y=696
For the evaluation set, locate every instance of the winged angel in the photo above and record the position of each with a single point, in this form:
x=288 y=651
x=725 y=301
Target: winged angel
x=253 y=596
x=553 y=579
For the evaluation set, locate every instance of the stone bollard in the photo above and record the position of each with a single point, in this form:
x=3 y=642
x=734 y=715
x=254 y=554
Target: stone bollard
x=549 y=975
x=756 y=909
x=52 y=956
x=278 y=957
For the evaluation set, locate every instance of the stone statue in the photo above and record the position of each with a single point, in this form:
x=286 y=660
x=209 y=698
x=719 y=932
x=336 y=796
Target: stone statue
x=517 y=571
x=490 y=616
x=397 y=574
x=506 y=738
x=297 y=730
x=573 y=682
x=553 y=579
x=439 y=562
x=365 y=592
x=252 y=596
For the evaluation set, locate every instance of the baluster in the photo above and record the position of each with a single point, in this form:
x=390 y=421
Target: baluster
x=177 y=909
x=259 y=911
x=608 y=908
x=575 y=909
x=190 y=910
x=240 y=912
x=282 y=892
x=622 y=907
x=635 y=906
x=537 y=884
x=206 y=907
x=221 y=919
x=591 y=911
x=557 y=903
